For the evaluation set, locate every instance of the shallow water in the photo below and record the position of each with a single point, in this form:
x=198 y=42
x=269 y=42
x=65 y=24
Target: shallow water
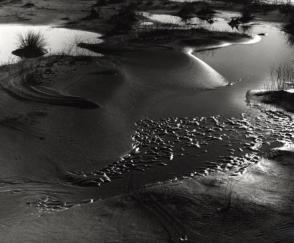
x=243 y=66
x=57 y=39
x=92 y=154
x=249 y=66
x=221 y=20
x=162 y=85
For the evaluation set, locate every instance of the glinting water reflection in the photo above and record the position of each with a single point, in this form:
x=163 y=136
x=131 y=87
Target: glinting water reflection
x=57 y=39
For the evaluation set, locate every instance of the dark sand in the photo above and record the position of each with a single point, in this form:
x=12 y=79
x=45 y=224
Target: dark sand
x=66 y=141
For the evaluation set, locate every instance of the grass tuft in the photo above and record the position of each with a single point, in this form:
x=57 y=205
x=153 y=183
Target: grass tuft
x=282 y=78
x=32 y=40
x=30 y=45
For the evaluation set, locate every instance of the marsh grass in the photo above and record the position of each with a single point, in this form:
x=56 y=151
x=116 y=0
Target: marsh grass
x=32 y=40
x=228 y=197
x=281 y=78
x=94 y=14
x=124 y=20
x=187 y=11
x=30 y=45
x=206 y=13
x=289 y=28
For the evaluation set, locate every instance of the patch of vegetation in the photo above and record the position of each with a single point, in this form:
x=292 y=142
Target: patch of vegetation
x=289 y=26
x=263 y=6
x=94 y=14
x=187 y=11
x=28 y=5
x=246 y=17
x=192 y=9
x=31 y=45
x=100 y=3
x=32 y=40
x=206 y=13
x=192 y=36
x=282 y=78
x=124 y=20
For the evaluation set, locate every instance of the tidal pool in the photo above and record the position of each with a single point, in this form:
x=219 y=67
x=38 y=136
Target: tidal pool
x=57 y=39
x=186 y=121
x=221 y=20
x=162 y=84
x=245 y=67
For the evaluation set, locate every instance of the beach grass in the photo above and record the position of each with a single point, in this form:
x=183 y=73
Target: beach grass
x=282 y=78
x=32 y=40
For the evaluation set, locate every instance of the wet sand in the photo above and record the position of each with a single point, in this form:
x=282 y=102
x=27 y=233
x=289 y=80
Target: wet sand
x=186 y=211
x=213 y=166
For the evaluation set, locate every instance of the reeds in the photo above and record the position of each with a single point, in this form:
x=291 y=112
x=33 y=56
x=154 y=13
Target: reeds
x=124 y=20
x=31 y=45
x=281 y=78
x=32 y=40
x=187 y=11
x=289 y=26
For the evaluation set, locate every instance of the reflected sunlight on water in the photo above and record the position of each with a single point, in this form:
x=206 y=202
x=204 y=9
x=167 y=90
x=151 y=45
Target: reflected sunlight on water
x=57 y=39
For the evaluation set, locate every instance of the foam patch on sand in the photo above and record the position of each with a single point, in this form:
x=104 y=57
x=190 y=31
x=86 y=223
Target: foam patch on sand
x=214 y=144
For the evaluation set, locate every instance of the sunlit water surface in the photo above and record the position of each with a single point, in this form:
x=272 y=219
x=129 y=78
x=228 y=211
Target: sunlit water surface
x=57 y=39
x=189 y=123
x=220 y=21
x=189 y=110
x=245 y=67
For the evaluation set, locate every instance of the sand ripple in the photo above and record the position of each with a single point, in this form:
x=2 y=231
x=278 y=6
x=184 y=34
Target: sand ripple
x=22 y=88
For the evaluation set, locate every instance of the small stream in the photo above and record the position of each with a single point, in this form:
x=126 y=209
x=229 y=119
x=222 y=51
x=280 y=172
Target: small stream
x=245 y=67
x=191 y=118
x=187 y=119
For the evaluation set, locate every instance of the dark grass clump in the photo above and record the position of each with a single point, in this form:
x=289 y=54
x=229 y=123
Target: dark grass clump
x=31 y=45
x=206 y=13
x=282 y=78
x=246 y=17
x=289 y=29
x=191 y=9
x=187 y=11
x=100 y=3
x=94 y=14
x=124 y=20
x=32 y=40
x=289 y=26
x=191 y=37
x=28 y=5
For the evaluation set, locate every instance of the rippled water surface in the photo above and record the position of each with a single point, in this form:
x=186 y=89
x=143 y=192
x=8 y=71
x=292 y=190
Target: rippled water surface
x=171 y=142
x=167 y=115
